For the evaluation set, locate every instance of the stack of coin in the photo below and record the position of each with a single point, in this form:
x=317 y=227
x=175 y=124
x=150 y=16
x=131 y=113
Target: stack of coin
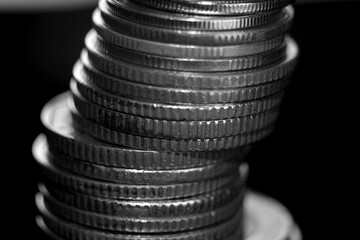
x=164 y=103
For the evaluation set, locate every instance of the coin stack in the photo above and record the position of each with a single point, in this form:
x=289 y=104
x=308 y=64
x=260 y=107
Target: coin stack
x=165 y=102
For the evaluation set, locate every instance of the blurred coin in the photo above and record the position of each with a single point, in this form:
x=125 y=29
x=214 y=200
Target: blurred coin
x=266 y=219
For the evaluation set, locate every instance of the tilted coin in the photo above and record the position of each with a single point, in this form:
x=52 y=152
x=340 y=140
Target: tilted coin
x=188 y=80
x=62 y=136
x=219 y=7
x=140 y=176
x=177 y=95
x=152 y=16
x=172 y=129
x=180 y=50
x=186 y=64
x=203 y=38
x=141 y=225
x=56 y=227
x=153 y=208
x=190 y=112
x=81 y=185
x=162 y=144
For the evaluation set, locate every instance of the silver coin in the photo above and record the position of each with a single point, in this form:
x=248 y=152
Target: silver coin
x=87 y=186
x=62 y=136
x=187 y=80
x=151 y=16
x=218 y=7
x=56 y=227
x=140 y=176
x=203 y=38
x=180 y=50
x=189 y=112
x=182 y=96
x=186 y=64
x=162 y=144
x=146 y=208
x=141 y=225
x=266 y=219
x=172 y=129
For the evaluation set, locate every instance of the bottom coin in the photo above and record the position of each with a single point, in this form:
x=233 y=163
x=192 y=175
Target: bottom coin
x=265 y=219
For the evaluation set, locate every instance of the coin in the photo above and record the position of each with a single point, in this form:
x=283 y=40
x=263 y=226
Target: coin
x=177 y=95
x=151 y=16
x=162 y=144
x=172 y=129
x=220 y=7
x=62 y=136
x=150 y=177
x=56 y=227
x=181 y=50
x=146 y=208
x=266 y=219
x=140 y=225
x=186 y=64
x=187 y=80
x=79 y=184
x=203 y=38
x=190 y=112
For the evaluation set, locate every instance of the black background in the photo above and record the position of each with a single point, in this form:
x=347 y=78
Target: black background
x=305 y=164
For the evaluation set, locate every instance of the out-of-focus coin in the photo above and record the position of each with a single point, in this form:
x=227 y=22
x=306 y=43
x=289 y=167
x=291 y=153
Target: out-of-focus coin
x=203 y=38
x=162 y=144
x=152 y=16
x=172 y=129
x=266 y=219
x=190 y=112
x=62 y=136
x=153 y=209
x=177 y=95
x=56 y=227
x=137 y=224
x=219 y=7
x=187 y=80
x=81 y=185
x=186 y=64
x=180 y=50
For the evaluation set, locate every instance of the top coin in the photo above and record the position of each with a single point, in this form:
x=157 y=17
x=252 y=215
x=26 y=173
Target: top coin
x=217 y=7
x=150 y=16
